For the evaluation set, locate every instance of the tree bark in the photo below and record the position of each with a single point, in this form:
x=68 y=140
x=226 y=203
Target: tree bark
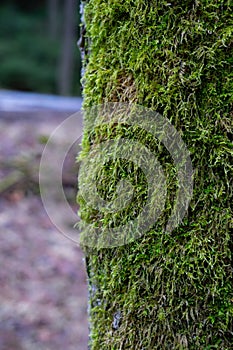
x=165 y=290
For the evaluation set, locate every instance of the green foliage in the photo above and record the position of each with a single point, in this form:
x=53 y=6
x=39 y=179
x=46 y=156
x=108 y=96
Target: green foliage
x=173 y=291
x=29 y=57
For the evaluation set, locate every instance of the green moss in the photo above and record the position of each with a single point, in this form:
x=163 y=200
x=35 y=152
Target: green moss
x=172 y=291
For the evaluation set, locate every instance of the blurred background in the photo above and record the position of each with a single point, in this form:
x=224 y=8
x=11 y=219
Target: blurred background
x=38 y=50
x=43 y=295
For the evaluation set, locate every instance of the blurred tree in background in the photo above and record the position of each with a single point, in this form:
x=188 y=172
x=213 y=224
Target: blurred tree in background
x=38 y=49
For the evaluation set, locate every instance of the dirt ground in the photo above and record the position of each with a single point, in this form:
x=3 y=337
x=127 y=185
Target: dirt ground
x=43 y=296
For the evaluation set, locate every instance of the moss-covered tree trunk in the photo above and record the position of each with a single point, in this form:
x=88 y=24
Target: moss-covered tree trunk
x=166 y=290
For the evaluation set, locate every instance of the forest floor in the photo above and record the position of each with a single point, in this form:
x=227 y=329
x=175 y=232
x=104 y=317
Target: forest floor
x=43 y=296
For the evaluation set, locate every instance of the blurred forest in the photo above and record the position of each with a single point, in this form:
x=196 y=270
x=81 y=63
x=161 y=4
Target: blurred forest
x=38 y=50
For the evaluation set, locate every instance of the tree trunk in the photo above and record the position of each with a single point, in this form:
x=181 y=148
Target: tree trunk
x=53 y=18
x=66 y=66
x=165 y=289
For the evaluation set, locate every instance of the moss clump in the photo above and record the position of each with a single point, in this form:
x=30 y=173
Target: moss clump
x=166 y=290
